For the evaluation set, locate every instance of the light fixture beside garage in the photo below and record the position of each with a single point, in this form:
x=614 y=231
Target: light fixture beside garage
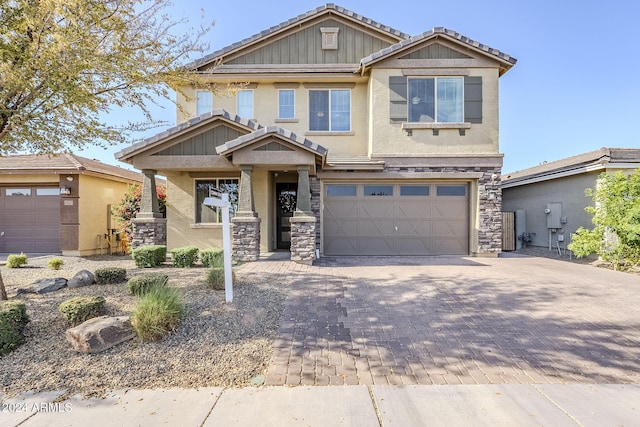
x=65 y=191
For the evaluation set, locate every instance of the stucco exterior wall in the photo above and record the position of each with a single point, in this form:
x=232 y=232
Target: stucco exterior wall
x=266 y=112
x=533 y=199
x=390 y=139
x=29 y=179
x=95 y=194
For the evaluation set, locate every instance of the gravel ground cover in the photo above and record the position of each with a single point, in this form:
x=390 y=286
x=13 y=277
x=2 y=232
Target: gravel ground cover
x=216 y=344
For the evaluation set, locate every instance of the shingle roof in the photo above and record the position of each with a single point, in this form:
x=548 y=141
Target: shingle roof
x=391 y=50
x=596 y=159
x=188 y=125
x=292 y=22
x=287 y=135
x=60 y=163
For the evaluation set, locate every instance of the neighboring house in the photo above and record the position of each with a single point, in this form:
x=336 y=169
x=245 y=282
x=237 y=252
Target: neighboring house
x=549 y=199
x=59 y=203
x=342 y=137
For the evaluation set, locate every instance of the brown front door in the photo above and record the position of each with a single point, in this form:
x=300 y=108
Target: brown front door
x=285 y=206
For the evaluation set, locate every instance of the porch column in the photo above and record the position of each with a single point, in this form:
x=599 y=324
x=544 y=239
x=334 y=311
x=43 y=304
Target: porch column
x=246 y=224
x=149 y=227
x=149 y=200
x=303 y=222
x=303 y=202
x=246 y=206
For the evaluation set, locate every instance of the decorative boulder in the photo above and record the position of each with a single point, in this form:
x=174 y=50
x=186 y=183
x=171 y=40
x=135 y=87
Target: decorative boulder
x=100 y=333
x=43 y=286
x=81 y=278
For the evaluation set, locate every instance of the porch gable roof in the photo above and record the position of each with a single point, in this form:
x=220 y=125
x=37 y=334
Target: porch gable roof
x=126 y=154
x=274 y=131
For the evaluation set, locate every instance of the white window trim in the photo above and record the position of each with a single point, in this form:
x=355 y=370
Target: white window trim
x=198 y=92
x=285 y=119
x=330 y=131
x=435 y=124
x=253 y=103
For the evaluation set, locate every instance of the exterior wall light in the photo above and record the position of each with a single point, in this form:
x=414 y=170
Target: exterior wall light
x=65 y=191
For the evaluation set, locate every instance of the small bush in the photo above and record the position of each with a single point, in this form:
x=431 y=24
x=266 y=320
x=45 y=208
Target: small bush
x=13 y=319
x=110 y=275
x=141 y=285
x=212 y=257
x=79 y=309
x=185 y=256
x=55 y=263
x=157 y=314
x=215 y=278
x=149 y=256
x=15 y=261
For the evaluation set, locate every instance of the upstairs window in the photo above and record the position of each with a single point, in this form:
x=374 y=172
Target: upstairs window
x=330 y=110
x=245 y=104
x=438 y=99
x=286 y=104
x=204 y=102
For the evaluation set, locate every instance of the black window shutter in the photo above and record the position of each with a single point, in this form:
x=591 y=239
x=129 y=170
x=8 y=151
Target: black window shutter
x=473 y=99
x=398 y=99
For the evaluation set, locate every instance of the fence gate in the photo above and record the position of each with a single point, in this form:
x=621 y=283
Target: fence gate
x=508 y=231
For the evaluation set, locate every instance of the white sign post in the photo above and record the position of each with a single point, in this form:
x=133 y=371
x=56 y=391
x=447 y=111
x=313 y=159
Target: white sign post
x=221 y=200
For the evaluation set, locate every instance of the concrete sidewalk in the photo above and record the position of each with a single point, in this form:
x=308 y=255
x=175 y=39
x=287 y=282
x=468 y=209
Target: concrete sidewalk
x=434 y=405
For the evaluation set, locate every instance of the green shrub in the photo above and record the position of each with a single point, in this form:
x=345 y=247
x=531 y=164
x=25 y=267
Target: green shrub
x=215 y=278
x=141 y=285
x=157 y=314
x=55 y=263
x=13 y=319
x=212 y=257
x=185 y=256
x=78 y=309
x=149 y=255
x=15 y=261
x=108 y=275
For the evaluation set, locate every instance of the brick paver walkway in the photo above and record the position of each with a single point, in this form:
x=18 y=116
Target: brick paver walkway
x=454 y=321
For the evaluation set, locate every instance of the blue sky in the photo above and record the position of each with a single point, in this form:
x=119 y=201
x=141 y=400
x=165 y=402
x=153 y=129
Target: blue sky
x=574 y=89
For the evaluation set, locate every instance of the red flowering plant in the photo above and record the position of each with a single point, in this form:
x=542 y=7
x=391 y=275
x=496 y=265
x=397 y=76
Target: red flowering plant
x=130 y=206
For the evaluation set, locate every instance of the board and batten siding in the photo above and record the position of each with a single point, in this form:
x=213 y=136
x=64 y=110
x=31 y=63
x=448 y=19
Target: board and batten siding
x=203 y=144
x=305 y=47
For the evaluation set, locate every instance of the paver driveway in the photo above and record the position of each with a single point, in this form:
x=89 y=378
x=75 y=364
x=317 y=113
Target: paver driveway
x=512 y=319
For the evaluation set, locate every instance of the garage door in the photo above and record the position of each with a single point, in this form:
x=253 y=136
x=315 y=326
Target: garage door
x=29 y=219
x=396 y=219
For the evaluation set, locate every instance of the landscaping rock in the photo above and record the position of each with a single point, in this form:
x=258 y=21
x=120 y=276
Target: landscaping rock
x=82 y=278
x=100 y=333
x=43 y=286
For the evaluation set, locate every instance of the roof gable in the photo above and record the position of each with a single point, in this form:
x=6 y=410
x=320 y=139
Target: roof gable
x=435 y=51
x=279 y=133
x=205 y=143
x=195 y=134
x=285 y=41
x=406 y=48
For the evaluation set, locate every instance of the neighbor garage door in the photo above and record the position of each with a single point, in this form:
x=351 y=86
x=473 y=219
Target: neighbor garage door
x=396 y=219
x=29 y=219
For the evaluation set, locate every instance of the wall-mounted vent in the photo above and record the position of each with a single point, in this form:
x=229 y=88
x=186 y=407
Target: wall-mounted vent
x=329 y=38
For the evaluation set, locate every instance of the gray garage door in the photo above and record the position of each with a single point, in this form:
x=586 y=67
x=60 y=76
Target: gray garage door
x=29 y=219
x=396 y=219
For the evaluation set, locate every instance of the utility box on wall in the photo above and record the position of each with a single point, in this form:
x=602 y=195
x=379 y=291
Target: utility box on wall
x=554 y=213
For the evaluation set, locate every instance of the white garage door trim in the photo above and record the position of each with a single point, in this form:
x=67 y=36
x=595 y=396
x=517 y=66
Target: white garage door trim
x=393 y=218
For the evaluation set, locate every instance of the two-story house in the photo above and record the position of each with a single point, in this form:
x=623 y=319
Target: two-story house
x=342 y=136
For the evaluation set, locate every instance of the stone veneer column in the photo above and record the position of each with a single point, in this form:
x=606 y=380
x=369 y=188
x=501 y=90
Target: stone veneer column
x=303 y=239
x=303 y=222
x=149 y=227
x=246 y=224
x=490 y=213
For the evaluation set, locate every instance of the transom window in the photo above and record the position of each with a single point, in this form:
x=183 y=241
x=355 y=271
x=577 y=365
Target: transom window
x=286 y=104
x=437 y=99
x=330 y=110
x=207 y=214
x=204 y=102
